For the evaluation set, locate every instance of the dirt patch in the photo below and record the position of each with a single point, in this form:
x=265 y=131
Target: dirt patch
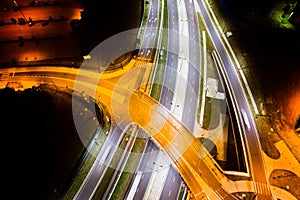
x=286 y=180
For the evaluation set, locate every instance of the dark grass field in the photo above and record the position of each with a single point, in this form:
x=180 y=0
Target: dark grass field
x=40 y=146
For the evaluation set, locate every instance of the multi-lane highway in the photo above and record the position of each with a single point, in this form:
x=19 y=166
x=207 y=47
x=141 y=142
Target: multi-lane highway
x=147 y=48
x=172 y=135
x=119 y=168
x=140 y=113
x=168 y=88
x=169 y=80
x=257 y=164
x=192 y=91
x=146 y=169
x=145 y=54
x=160 y=124
x=176 y=51
x=100 y=165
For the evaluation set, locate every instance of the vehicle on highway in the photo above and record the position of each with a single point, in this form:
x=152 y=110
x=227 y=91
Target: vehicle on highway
x=246 y=120
x=45 y=23
x=21 y=21
x=13 y=20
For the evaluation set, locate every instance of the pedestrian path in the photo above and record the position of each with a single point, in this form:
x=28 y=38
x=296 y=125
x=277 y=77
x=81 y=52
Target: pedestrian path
x=287 y=160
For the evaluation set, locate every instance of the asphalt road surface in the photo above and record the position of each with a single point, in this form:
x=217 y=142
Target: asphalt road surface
x=177 y=144
x=252 y=140
x=146 y=167
x=100 y=165
x=169 y=80
x=192 y=92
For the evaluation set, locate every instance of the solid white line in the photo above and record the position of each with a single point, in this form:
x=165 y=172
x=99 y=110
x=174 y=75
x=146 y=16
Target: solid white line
x=204 y=79
x=182 y=70
x=234 y=58
x=158 y=43
x=134 y=188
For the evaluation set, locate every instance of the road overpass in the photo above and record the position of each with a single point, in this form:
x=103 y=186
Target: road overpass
x=190 y=158
x=248 y=127
x=171 y=135
x=198 y=170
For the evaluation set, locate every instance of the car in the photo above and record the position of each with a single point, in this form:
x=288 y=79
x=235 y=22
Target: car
x=246 y=120
x=21 y=21
x=45 y=23
x=13 y=20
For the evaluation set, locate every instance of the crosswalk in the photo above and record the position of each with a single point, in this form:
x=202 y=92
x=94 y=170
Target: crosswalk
x=258 y=189
x=262 y=188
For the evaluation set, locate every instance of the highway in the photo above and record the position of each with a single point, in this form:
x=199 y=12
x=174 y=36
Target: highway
x=166 y=130
x=195 y=185
x=193 y=81
x=122 y=161
x=169 y=80
x=146 y=169
x=172 y=136
x=172 y=185
x=145 y=54
x=99 y=167
x=147 y=48
x=243 y=110
x=168 y=89
x=172 y=74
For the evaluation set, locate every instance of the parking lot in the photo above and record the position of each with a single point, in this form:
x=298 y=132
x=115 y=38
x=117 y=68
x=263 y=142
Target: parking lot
x=37 y=30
